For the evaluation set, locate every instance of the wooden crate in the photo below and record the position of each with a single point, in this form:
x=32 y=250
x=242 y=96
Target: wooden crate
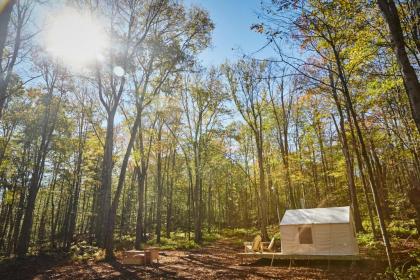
x=154 y=253
x=134 y=259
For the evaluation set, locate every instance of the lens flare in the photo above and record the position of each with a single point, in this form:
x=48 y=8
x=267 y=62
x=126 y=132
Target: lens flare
x=118 y=71
x=76 y=39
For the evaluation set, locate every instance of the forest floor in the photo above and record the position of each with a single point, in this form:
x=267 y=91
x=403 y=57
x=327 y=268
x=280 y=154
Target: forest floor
x=215 y=261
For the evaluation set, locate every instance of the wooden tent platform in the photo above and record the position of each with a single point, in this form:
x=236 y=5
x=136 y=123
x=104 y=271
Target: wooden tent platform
x=281 y=256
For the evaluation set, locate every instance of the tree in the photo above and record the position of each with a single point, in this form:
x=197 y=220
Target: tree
x=56 y=87
x=245 y=81
x=399 y=44
x=12 y=39
x=193 y=28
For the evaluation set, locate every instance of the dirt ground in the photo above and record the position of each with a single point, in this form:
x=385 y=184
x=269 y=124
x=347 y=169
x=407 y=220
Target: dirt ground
x=216 y=261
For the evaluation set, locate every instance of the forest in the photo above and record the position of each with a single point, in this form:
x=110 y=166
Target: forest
x=115 y=136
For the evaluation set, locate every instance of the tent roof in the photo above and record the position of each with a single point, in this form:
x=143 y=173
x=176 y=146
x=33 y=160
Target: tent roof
x=332 y=215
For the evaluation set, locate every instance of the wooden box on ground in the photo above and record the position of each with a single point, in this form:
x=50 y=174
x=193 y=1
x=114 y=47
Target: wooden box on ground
x=135 y=257
x=154 y=253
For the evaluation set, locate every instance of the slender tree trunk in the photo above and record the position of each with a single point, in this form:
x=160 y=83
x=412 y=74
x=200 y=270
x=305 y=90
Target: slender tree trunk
x=414 y=197
x=350 y=175
x=140 y=197
x=110 y=224
x=104 y=199
x=7 y=222
x=282 y=124
x=18 y=218
x=5 y=14
x=76 y=190
x=197 y=202
x=390 y=13
x=348 y=159
x=37 y=172
x=11 y=222
x=263 y=190
x=25 y=234
x=365 y=156
x=159 y=187
x=170 y=197
x=52 y=232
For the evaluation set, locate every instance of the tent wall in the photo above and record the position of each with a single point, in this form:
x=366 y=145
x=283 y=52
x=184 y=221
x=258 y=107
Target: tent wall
x=328 y=239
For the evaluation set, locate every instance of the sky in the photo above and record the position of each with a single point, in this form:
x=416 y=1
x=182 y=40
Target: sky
x=232 y=35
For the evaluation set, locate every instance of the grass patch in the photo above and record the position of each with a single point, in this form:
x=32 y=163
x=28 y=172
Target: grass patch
x=211 y=237
x=402 y=229
x=243 y=233
x=174 y=243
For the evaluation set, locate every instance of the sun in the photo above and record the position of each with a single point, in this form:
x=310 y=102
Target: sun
x=74 y=38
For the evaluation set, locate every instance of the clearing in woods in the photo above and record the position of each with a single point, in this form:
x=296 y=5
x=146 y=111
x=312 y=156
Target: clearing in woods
x=215 y=261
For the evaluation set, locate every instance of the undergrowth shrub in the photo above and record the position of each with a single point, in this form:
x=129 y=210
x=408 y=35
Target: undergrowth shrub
x=402 y=229
x=84 y=252
x=174 y=244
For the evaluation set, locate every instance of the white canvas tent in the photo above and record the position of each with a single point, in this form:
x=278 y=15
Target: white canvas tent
x=318 y=231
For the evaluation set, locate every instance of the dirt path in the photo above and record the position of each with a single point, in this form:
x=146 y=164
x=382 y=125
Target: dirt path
x=216 y=261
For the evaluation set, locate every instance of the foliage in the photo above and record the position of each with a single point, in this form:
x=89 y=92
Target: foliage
x=174 y=243
x=84 y=252
x=402 y=229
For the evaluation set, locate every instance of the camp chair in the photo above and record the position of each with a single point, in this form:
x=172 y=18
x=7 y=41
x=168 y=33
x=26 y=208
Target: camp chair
x=254 y=246
x=270 y=246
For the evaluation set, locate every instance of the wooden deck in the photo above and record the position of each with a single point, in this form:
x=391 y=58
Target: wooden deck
x=281 y=256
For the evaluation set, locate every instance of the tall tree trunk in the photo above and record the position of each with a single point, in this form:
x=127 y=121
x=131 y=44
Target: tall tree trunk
x=263 y=190
x=18 y=218
x=25 y=234
x=52 y=232
x=110 y=223
x=5 y=16
x=170 y=197
x=141 y=172
x=76 y=188
x=349 y=161
x=282 y=123
x=5 y=13
x=140 y=197
x=411 y=81
x=373 y=183
x=414 y=197
x=159 y=187
x=104 y=199
x=197 y=196
x=41 y=153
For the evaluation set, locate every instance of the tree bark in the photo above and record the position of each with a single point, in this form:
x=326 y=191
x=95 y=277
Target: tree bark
x=140 y=197
x=5 y=14
x=373 y=183
x=110 y=224
x=41 y=153
x=263 y=190
x=390 y=13
x=414 y=197
x=159 y=187
x=77 y=181
x=170 y=197
x=349 y=161
x=104 y=199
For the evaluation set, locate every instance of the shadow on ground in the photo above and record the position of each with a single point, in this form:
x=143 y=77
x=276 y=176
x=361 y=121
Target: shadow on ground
x=217 y=261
